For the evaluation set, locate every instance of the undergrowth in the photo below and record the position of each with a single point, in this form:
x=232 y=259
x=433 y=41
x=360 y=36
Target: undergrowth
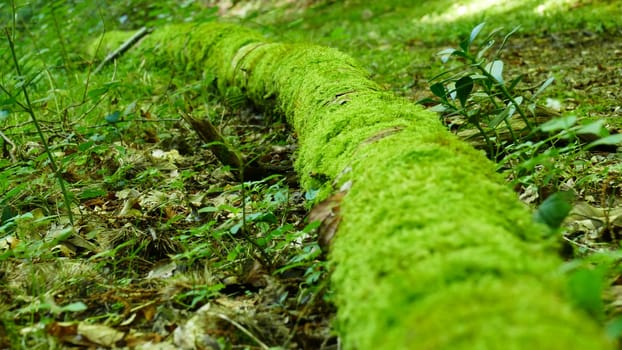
x=152 y=226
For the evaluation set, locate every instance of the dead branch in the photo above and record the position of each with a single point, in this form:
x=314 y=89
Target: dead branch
x=123 y=48
x=209 y=134
x=7 y=140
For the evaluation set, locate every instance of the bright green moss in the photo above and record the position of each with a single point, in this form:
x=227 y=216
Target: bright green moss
x=433 y=251
x=453 y=227
x=501 y=318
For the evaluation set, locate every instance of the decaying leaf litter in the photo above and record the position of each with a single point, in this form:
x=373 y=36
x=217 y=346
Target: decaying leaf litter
x=114 y=267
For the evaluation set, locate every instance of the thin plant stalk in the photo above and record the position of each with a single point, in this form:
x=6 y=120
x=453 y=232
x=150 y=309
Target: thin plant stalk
x=263 y=255
x=31 y=112
x=483 y=132
x=491 y=97
x=507 y=95
x=61 y=39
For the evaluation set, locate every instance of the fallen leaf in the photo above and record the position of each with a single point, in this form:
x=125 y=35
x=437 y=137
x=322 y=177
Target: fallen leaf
x=327 y=213
x=594 y=221
x=82 y=334
x=100 y=334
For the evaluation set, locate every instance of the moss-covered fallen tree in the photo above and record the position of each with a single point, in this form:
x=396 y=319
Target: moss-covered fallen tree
x=434 y=250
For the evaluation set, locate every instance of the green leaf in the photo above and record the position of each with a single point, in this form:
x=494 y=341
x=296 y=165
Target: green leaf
x=235 y=228
x=501 y=116
x=130 y=108
x=440 y=108
x=7 y=196
x=507 y=112
x=426 y=101
x=82 y=147
x=464 y=86
x=495 y=68
x=96 y=93
x=60 y=235
x=561 y=123
x=74 y=307
x=593 y=128
x=439 y=90
x=586 y=287
x=446 y=54
x=4 y=115
x=464 y=45
x=484 y=49
x=554 y=209
x=515 y=82
x=512 y=107
x=615 y=139
x=544 y=85
x=493 y=33
x=614 y=328
x=261 y=217
x=506 y=37
x=208 y=210
x=113 y=117
x=459 y=53
x=311 y=226
x=92 y=193
x=479 y=77
x=7 y=214
x=475 y=32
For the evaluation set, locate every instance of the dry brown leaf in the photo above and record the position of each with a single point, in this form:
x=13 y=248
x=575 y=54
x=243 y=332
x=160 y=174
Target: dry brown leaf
x=594 y=221
x=62 y=329
x=195 y=334
x=146 y=341
x=89 y=335
x=327 y=213
x=8 y=242
x=100 y=334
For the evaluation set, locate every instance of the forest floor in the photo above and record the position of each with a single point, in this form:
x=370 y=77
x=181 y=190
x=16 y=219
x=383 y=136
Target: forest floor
x=167 y=247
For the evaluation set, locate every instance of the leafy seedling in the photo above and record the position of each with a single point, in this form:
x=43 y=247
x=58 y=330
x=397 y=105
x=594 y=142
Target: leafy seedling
x=477 y=92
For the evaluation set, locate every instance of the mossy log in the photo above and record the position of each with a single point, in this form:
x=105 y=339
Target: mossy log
x=434 y=251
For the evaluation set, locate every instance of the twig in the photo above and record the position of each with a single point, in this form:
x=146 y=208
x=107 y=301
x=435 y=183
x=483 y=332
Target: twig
x=216 y=143
x=244 y=330
x=253 y=169
x=13 y=147
x=123 y=48
x=581 y=245
x=17 y=126
x=12 y=97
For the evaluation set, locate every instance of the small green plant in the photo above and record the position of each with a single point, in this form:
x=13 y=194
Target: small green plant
x=544 y=163
x=27 y=107
x=476 y=92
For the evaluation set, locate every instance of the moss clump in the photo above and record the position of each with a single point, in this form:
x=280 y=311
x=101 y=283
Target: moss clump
x=434 y=251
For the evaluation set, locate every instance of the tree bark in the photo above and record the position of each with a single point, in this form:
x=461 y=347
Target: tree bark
x=433 y=250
